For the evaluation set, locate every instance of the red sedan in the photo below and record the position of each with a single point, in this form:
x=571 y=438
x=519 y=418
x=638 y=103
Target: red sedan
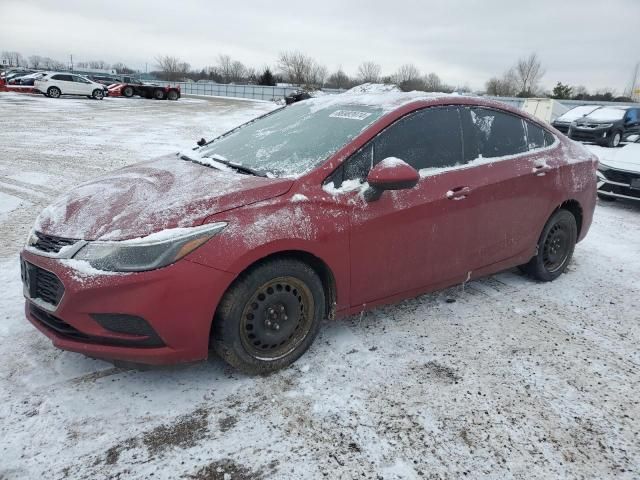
x=324 y=208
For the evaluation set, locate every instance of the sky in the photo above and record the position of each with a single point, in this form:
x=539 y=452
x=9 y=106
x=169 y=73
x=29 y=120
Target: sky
x=580 y=42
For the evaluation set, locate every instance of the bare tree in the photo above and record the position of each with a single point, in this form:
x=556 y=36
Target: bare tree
x=51 y=64
x=408 y=77
x=14 y=59
x=369 y=72
x=170 y=66
x=301 y=69
x=35 y=61
x=528 y=72
x=99 y=64
x=120 y=68
x=339 y=79
x=505 y=86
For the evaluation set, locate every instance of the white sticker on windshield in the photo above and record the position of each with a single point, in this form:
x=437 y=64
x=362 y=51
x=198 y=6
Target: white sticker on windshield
x=350 y=114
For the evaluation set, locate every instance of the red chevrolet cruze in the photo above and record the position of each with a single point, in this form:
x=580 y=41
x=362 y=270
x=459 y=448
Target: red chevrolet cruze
x=320 y=209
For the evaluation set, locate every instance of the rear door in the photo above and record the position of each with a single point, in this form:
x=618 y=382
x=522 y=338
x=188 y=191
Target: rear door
x=410 y=239
x=65 y=83
x=513 y=180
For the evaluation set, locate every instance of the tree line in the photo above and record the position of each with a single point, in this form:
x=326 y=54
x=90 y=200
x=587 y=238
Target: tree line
x=296 y=68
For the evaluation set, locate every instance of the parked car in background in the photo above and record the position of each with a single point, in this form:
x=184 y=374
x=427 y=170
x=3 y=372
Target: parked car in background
x=323 y=208
x=13 y=77
x=103 y=79
x=607 y=126
x=145 y=90
x=58 y=84
x=564 y=121
x=29 y=80
x=619 y=174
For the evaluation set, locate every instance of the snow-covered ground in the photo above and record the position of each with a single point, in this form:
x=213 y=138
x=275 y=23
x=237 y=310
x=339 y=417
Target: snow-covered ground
x=500 y=378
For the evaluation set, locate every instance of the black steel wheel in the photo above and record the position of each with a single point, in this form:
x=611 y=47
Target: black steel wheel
x=127 y=92
x=158 y=94
x=172 y=95
x=555 y=247
x=269 y=316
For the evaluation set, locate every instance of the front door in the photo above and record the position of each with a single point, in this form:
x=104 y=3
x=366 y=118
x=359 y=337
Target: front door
x=408 y=240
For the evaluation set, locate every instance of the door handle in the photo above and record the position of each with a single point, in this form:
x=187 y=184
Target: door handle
x=541 y=170
x=458 y=193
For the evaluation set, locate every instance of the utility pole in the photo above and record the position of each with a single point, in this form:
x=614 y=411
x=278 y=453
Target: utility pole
x=71 y=64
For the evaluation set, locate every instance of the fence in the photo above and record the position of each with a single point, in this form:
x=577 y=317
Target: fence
x=256 y=92
x=260 y=92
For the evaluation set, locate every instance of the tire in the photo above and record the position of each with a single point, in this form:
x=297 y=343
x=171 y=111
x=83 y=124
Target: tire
x=97 y=94
x=614 y=139
x=158 y=94
x=269 y=317
x=606 y=198
x=172 y=95
x=127 y=92
x=555 y=247
x=54 y=92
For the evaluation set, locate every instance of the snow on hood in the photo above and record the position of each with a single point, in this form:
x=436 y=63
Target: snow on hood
x=625 y=158
x=373 y=88
x=152 y=196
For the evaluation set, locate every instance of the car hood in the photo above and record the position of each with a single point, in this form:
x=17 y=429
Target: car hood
x=625 y=158
x=152 y=196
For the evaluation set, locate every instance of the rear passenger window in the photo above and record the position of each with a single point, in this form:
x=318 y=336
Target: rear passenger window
x=549 y=139
x=535 y=136
x=497 y=133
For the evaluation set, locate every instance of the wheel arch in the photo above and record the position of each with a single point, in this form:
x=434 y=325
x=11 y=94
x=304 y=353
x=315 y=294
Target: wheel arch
x=573 y=207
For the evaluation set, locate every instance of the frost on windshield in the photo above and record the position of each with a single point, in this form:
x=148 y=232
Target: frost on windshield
x=607 y=113
x=292 y=141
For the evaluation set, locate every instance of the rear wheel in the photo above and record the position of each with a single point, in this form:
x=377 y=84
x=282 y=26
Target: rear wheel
x=555 y=247
x=54 y=92
x=98 y=94
x=127 y=92
x=172 y=95
x=158 y=94
x=269 y=317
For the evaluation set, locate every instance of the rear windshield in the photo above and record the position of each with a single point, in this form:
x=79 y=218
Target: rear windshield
x=293 y=140
x=607 y=113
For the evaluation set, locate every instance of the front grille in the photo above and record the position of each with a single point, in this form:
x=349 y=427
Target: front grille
x=41 y=284
x=620 y=177
x=620 y=190
x=51 y=243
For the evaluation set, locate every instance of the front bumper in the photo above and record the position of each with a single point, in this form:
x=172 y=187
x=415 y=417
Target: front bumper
x=616 y=183
x=597 y=135
x=177 y=302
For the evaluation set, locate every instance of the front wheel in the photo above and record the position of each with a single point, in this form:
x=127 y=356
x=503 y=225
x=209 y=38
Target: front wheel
x=614 y=139
x=158 y=94
x=269 y=317
x=98 y=94
x=127 y=92
x=172 y=95
x=555 y=247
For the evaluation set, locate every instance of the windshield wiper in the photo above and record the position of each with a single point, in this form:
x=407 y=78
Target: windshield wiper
x=239 y=167
x=228 y=163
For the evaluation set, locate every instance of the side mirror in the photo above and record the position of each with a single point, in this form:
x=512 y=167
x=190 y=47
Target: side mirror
x=390 y=174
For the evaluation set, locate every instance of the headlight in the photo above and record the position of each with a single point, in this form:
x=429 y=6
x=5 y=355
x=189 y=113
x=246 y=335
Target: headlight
x=605 y=125
x=147 y=253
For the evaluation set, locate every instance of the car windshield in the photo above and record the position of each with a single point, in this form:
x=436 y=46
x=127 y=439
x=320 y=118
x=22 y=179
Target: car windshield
x=293 y=140
x=607 y=113
x=578 y=112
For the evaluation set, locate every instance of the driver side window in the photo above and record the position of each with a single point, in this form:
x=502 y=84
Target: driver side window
x=429 y=138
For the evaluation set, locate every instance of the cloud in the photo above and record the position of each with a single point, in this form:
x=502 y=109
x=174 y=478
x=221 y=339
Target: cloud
x=465 y=42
